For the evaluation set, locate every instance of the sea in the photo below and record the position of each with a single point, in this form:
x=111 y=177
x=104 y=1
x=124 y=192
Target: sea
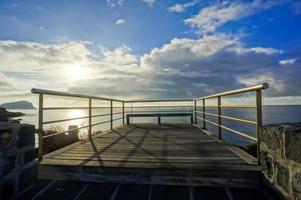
x=271 y=114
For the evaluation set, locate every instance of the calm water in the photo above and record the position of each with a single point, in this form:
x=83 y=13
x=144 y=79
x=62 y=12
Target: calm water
x=271 y=114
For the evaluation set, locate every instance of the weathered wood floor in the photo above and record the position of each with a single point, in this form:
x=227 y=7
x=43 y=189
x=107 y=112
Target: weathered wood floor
x=153 y=154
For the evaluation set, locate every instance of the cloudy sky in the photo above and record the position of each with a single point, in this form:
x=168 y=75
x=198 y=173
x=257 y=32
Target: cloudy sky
x=136 y=49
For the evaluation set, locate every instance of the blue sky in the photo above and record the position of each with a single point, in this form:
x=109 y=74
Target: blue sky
x=157 y=48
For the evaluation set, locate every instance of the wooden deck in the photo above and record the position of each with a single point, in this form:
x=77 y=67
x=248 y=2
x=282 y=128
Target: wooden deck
x=153 y=154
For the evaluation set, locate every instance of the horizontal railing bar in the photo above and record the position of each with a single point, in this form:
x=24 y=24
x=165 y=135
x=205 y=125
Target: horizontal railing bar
x=101 y=115
x=210 y=122
x=228 y=106
x=74 y=108
x=54 y=134
x=117 y=119
x=156 y=106
x=71 y=119
x=67 y=94
x=101 y=123
x=117 y=113
x=229 y=129
x=64 y=108
x=238 y=132
x=160 y=114
x=228 y=117
x=157 y=111
x=239 y=106
x=64 y=120
x=159 y=100
x=238 y=91
x=211 y=114
x=238 y=119
x=201 y=112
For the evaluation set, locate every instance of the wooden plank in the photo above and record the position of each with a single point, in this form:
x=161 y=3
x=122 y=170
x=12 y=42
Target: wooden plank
x=138 y=164
x=151 y=159
x=152 y=147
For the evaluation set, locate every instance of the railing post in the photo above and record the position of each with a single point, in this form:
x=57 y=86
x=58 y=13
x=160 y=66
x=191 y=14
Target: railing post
x=111 y=114
x=123 y=112
x=90 y=117
x=258 y=120
x=40 y=128
x=195 y=113
x=219 y=109
x=204 y=115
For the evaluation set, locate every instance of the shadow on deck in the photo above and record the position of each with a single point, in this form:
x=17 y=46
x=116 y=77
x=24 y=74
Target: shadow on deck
x=153 y=154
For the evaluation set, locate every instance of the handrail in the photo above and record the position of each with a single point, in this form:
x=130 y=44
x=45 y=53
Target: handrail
x=219 y=116
x=68 y=94
x=194 y=107
x=89 y=107
x=159 y=100
x=231 y=92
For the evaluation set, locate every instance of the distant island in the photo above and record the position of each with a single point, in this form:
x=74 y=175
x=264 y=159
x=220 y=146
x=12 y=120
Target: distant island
x=18 y=105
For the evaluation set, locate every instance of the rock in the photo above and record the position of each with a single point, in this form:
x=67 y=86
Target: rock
x=292 y=144
x=282 y=175
x=267 y=164
x=26 y=135
x=6 y=115
x=5 y=137
x=271 y=136
x=296 y=181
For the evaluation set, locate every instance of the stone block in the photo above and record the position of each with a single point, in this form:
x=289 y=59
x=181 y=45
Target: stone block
x=267 y=164
x=272 y=137
x=296 y=182
x=26 y=135
x=282 y=175
x=292 y=147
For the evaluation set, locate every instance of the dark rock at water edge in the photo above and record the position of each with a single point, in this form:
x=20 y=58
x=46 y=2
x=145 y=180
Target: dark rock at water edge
x=6 y=115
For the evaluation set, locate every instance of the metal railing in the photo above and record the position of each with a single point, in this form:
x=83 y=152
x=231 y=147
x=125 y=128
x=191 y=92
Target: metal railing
x=192 y=104
x=258 y=107
x=41 y=122
x=124 y=105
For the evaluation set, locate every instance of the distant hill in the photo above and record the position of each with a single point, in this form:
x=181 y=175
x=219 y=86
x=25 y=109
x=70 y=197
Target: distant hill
x=18 y=105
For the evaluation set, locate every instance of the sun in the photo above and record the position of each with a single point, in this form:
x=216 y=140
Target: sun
x=76 y=72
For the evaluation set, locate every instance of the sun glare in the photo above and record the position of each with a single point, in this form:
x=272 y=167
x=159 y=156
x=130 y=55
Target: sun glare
x=75 y=113
x=76 y=72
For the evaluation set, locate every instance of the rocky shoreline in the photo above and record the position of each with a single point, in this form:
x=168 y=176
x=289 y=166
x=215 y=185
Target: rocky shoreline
x=6 y=115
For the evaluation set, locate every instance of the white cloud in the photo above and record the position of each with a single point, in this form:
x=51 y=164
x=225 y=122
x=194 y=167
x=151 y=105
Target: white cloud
x=120 y=56
x=114 y=3
x=179 y=8
x=210 y=18
x=120 y=21
x=287 y=61
x=179 y=69
x=150 y=3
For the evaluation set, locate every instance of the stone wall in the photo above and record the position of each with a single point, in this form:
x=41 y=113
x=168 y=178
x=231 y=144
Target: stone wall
x=280 y=156
x=18 y=167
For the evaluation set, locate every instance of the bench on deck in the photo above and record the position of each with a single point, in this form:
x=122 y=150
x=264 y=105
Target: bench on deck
x=159 y=115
